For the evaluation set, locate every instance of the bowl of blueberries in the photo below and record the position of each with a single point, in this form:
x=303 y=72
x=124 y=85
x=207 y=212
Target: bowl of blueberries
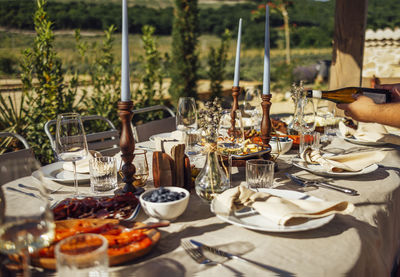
x=165 y=203
x=285 y=144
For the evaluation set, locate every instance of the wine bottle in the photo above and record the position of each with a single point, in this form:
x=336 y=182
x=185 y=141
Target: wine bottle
x=345 y=95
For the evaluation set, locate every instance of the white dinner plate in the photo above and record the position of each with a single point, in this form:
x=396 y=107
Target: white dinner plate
x=55 y=172
x=162 y=135
x=319 y=170
x=250 y=219
x=360 y=142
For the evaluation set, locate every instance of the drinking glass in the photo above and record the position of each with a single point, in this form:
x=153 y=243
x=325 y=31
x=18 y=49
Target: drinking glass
x=142 y=168
x=186 y=120
x=103 y=174
x=82 y=255
x=230 y=142
x=186 y=117
x=70 y=144
x=259 y=173
x=26 y=222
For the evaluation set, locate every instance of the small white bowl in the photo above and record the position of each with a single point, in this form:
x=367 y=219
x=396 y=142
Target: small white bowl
x=285 y=146
x=165 y=210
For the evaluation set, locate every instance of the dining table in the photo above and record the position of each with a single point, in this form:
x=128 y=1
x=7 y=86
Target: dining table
x=363 y=243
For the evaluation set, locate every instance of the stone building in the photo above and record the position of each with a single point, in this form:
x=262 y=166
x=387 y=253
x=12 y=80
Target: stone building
x=382 y=55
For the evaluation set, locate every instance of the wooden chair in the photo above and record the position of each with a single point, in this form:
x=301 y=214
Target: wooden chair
x=144 y=131
x=105 y=142
x=16 y=164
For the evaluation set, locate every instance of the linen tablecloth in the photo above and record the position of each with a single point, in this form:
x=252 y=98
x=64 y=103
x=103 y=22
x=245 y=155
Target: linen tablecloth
x=364 y=243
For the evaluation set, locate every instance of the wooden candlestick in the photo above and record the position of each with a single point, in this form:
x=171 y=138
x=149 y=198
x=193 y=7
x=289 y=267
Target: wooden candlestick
x=235 y=107
x=127 y=145
x=266 y=121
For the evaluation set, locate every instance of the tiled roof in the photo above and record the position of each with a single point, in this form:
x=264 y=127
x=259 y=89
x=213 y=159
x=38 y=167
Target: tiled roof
x=382 y=38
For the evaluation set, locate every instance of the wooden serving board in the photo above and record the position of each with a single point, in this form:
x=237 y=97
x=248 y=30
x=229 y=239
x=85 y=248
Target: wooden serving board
x=153 y=234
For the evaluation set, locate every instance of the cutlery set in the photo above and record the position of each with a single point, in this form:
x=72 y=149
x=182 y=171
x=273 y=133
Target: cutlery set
x=305 y=182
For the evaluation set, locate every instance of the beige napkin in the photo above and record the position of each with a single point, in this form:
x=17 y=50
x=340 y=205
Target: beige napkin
x=370 y=132
x=82 y=166
x=165 y=144
x=279 y=210
x=346 y=162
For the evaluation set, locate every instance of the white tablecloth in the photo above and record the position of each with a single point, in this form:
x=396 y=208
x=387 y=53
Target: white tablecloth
x=364 y=243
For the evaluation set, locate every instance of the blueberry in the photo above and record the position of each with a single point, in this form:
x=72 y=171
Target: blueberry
x=182 y=194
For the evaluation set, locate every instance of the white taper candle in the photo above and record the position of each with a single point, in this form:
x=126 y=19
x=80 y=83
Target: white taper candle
x=125 y=92
x=236 y=77
x=266 y=79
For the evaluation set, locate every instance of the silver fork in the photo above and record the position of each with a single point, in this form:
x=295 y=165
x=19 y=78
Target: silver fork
x=50 y=191
x=196 y=254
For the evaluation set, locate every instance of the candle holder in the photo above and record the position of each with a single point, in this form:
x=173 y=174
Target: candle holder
x=235 y=107
x=266 y=120
x=127 y=145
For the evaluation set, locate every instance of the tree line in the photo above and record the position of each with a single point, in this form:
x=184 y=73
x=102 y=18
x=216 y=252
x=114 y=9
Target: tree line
x=311 y=22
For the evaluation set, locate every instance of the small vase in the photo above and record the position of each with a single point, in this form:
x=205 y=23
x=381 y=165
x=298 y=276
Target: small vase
x=212 y=179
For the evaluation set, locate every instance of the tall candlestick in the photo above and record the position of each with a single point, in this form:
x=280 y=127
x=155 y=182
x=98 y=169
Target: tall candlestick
x=237 y=60
x=266 y=89
x=125 y=92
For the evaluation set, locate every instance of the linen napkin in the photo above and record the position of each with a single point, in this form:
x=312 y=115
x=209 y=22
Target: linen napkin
x=279 y=210
x=346 y=162
x=82 y=166
x=370 y=132
x=166 y=144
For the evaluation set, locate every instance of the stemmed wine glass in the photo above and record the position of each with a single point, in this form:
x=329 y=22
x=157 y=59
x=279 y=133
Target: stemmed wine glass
x=28 y=227
x=71 y=144
x=186 y=120
x=230 y=143
x=307 y=123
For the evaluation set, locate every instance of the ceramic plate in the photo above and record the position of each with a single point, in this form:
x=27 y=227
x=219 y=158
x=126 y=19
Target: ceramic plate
x=250 y=219
x=162 y=135
x=134 y=253
x=55 y=172
x=251 y=155
x=319 y=170
x=360 y=142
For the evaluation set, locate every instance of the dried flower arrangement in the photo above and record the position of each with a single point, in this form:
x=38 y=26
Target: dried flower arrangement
x=209 y=118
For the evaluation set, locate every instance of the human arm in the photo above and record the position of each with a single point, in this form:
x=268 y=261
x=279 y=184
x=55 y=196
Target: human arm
x=364 y=109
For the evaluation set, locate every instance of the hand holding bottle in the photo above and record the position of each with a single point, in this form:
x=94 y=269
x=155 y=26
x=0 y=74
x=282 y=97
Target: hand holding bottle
x=394 y=89
x=361 y=109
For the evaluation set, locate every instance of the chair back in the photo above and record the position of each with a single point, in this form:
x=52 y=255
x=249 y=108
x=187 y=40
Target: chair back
x=106 y=142
x=144 y=131
x=14 y=165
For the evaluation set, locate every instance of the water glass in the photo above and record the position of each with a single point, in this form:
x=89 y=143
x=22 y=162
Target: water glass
x=259 y=173
x=103 y=174
x=82 y=255
x=309 y=140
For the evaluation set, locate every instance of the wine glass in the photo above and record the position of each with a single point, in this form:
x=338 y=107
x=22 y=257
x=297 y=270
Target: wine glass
x=141 y=168
x=26 y=222
x=186 y=120
x=307 y=123
x=70 y=144
x=230 y=141
x=186 y=117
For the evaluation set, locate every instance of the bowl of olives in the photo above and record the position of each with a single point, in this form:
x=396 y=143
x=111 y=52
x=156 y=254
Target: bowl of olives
x=285 y=144
x=165 y=203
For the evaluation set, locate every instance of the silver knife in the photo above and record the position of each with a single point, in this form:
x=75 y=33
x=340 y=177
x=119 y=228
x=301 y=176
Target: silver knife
x=304 y=182
x=229 y=255
x=27 y=193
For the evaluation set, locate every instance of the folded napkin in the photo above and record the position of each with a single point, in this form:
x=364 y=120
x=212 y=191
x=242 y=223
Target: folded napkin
x=346 y=162
x=82 y=166
x=370 y=132
x=166 y=144
x=279 y=210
